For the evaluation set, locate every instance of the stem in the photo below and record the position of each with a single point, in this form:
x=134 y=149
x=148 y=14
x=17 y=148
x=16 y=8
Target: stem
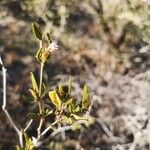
x=61 y=129
x=11 y=121
x=21 y=139
x=40 y=88
x=40 y=107
x=49 y=127
x=28 y=125
x=40 y=93
x=40 y=103
x=41 y=79
x=40 y=44
x=41 y=72
x=40 y=126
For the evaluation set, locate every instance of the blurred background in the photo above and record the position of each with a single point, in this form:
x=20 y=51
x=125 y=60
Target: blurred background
x=103 y=43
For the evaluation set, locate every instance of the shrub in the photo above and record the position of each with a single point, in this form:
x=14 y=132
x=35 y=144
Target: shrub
x=65 y=111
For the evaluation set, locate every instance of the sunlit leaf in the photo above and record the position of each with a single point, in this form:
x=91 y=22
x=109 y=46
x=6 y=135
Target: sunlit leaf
x=36 y=31
x=69 y=86
x=77 y=109
x=69 y=101
x=77 y=117
x=85 y=100
x=60 y=90
x=28 y=143
x=55 y=99
x=48 y=112
x=34 y=83
x=34 y=94
x=19 y=148
x=76 y=127
x=68 y=120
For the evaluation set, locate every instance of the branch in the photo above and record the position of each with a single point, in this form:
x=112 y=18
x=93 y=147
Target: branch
x=19 y=132
x=48 y=128
x=28 y=125
x=61 y=129
x=39 y=128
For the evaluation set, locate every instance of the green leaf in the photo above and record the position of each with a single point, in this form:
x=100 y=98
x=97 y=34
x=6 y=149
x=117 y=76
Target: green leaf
x=77 y=109
x=36 y=31
x=69 y=86
x=34 y=94
x=55 y=99
x=69 y=101
x=60 y=90
x=34 y=115
x=48 y=112
x=85 y=100
x=49 y=38
x=28 y=143
x=68 y=120
x=19 y=148
x=76 y=127
x=77 y=117
x=34 y=83
x=70 y=107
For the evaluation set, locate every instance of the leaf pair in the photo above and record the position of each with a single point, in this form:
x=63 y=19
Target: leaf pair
x=55 y=97
x=85 y=100
x=58 y=102
x=38 y=33
x=35 y=90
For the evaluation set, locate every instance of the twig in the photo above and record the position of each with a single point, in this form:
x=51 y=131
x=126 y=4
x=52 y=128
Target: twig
x=39 y=128
x=61 y=129
x=58 y=130
x=19 y=132
x=108 y=133
x=28 y=125
x=41 y=79
x=48 y=128
x=38 y=142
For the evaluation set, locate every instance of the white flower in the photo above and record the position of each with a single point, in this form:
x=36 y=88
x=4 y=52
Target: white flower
x=53 y=46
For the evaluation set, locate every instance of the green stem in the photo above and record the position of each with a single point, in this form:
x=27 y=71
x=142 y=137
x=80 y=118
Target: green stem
x=40 y=87
x=41 y=79
x=40 y=107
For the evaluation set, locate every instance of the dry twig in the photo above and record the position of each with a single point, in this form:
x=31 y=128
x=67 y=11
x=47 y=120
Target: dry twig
x=4 y=108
